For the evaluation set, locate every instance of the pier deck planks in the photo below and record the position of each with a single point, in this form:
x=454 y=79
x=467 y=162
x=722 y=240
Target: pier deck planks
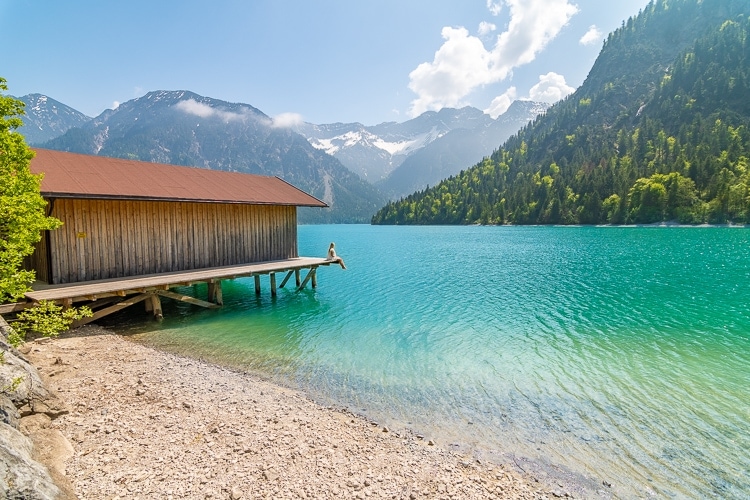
x=107 y=287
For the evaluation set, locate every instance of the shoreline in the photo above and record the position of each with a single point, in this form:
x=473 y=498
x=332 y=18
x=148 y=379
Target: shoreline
x=146 y=423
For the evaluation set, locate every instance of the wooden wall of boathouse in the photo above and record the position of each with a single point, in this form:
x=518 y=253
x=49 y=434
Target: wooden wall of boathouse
x=103 y=239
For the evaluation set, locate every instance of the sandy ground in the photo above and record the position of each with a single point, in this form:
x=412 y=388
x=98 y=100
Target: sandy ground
x=147 y=424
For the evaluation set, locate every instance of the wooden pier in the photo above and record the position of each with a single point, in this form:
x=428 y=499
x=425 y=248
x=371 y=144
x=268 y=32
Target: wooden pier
x=108 y=296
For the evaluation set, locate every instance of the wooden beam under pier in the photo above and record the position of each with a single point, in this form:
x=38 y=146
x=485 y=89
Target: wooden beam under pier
x=286 y=278
x=112 y=309
x=186 y=298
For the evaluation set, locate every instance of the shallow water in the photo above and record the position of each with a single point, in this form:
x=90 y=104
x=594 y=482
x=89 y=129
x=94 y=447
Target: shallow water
x=620 y=353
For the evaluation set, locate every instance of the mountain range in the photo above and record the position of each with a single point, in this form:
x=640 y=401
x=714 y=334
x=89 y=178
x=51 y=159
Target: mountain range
x=183 y=128
x=400 y=158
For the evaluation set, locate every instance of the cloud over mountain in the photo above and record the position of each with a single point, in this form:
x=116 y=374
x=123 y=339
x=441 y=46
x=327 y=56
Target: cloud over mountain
x=463 y=63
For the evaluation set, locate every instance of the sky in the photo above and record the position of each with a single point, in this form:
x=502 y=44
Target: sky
x=320 y=61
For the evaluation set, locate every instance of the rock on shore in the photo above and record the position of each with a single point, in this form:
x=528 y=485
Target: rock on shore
x=23 y=396
x=147 y=424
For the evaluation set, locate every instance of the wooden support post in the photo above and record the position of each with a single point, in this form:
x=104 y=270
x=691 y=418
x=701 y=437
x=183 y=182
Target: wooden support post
x=273 y=284
x=67 y=303
x=211 y=291
x=218 y=294
x=314 y=282
x=156 y=306
x=296 y=277
x=149 y=306
x=257 y=284
x=286 y=278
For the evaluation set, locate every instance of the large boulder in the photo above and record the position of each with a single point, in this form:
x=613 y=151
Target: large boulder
x=21 y=384
x=20 y=476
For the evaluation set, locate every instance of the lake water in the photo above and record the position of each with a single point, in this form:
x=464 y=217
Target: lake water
x=618 y=353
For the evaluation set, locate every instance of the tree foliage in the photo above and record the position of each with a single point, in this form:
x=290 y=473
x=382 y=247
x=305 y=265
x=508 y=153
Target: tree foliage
x=22 y=208
x=659 y=131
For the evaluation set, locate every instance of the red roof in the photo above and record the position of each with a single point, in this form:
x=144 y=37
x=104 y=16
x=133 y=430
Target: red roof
x=72 y=175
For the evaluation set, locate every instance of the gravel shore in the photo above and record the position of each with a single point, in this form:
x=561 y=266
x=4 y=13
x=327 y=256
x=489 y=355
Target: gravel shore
x=148 y=424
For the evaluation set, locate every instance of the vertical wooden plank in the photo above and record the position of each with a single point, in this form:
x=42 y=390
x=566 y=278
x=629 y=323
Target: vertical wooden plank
x=139 y=238
x=179 y=236
x=136 y=260
x=217 y=229
x=121 y=248
x=190 y=250
x=256 y=232
x=297 y=278
x=156 y=237
x=199 y=243
x=295 y=243
x=232 y=246
x=168 y=210
x=104 y=248
x=187 y=234
x=66 y=242
x=80 y=251
x=273 y=284
x=104 y=243
x=127 y=239
x=55 y=250
x=92 y=247
x=146 y=224
x=257 y=284
x=249 y=230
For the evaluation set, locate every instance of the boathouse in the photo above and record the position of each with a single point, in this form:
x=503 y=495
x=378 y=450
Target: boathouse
x=132 y=227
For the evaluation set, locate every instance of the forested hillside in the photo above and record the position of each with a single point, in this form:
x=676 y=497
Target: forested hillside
x=659 y=131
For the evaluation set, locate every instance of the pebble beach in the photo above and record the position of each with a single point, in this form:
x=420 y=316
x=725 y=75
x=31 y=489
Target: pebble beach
x=149 y=424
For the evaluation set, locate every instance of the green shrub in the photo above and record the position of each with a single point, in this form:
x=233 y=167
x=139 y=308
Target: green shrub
x=47 y=319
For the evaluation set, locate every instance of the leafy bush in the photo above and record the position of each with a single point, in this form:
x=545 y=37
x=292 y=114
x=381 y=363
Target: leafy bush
x=47 y=319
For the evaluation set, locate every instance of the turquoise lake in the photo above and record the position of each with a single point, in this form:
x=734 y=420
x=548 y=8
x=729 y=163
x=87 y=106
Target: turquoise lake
x=618 y=353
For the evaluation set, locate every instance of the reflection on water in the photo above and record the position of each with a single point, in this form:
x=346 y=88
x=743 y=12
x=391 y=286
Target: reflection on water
x=620 y=353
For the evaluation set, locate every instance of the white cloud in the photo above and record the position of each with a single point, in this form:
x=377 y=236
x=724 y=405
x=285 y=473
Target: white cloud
x=463 y=64
x=551 y=88
x=486 y=28
x=593 y=35
x=501 y=103
x=494 y=7
x=193 y=107
x=115 y=104
x=286 y=120
x=459 y=66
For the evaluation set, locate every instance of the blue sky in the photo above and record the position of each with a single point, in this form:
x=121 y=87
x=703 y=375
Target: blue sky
x=320 y=61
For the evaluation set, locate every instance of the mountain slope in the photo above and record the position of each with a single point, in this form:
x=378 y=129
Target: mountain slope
x=183 y=128
x=658 y=131
x=47 y=118
x=457 y=149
